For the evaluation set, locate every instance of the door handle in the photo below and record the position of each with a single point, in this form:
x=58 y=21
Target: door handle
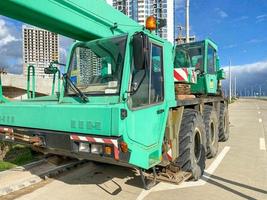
x=160 y=111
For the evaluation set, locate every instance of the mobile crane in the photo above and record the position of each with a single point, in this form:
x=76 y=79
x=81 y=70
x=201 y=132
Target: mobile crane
x=120 y=100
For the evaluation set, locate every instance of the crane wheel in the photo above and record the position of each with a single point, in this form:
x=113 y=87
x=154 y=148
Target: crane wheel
x=223 y=123
x=212 y=130
x=192 y=143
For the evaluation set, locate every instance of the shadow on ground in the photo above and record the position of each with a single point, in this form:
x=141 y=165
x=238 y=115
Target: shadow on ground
x=109 y=178
x=214 y=180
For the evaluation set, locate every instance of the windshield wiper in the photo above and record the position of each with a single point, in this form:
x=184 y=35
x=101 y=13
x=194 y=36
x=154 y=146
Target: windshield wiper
x=77 y=91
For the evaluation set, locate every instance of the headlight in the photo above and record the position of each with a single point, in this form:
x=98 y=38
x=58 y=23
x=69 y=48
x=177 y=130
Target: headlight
x=84 y=147
x=96 y=148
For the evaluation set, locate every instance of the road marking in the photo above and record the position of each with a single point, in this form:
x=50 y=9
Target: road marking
x=211 y=169
x=260 y=120
x=167 y=186
x=262 y=144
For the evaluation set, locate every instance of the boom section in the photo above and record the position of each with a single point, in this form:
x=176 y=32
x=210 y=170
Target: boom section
x=78 y=19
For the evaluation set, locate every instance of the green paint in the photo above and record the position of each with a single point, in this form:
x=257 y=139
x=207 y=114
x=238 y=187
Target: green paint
x=31 y=82
x=201 y=56
x=2 y=98
x=144 y=127
x=57 y=74
x=78 y=19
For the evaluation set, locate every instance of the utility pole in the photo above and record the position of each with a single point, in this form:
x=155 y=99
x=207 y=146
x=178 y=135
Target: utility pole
x=260 y=90
x=235 y=87
x=230 y=82
x=187 y=20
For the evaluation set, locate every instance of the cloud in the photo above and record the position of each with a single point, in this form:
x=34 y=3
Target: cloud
x=221 y=13
x=261 y=18
x=255 y=41
x=249 y=76
x=230 y=46
x=242 y=18
x=249 y=68
x=5 y=35
x=10 y=46
x=64 y=47
x=11 y=57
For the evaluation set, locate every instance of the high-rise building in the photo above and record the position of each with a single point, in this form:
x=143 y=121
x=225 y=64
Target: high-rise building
x=40 y=47
x=139 y=10
x=89 y=64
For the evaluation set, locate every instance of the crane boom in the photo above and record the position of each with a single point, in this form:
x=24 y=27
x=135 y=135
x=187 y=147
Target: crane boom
x=78 y=19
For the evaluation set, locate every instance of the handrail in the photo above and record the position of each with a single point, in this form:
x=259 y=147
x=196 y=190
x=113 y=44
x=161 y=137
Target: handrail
x=2 y=98
x=31 y=93
x=58 y=82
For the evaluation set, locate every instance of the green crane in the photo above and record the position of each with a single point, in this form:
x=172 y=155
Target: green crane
x=118 y=102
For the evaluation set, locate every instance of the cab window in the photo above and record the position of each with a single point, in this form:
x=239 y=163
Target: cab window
x=151 y=88
x=189 y=55
x=211 y=60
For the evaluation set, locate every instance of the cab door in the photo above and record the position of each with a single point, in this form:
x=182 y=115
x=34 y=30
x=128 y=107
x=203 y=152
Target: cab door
x=211 y=76
x=146 y=106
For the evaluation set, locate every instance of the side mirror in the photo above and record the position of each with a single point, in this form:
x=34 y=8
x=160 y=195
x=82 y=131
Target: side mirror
x=162 y=23
x=198 y=71
x=140 y=50
x=137 y=80
x=221 y=74
x=50 y=70
x=217 y=63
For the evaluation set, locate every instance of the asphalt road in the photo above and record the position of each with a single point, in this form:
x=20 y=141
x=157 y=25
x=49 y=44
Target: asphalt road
x=238 y=172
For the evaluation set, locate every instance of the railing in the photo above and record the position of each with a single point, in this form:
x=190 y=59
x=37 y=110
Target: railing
x=2 y=98
x=54 y=82
x=31 y=82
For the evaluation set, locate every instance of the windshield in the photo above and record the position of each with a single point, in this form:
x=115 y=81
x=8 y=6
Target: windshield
x=189 y=55
x=96 y=67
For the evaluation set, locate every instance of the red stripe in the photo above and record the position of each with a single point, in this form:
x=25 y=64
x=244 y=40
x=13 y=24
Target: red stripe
x=116 y=150
x=75 y=137
x=90 y=139
x=107 y=141
x=177 y=76
x=186 y=71
x=194 y=77
x=116 y=153
x=169 y=157
x=8 y=130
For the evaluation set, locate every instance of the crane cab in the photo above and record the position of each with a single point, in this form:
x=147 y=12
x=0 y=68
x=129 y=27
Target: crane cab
x=201 y=58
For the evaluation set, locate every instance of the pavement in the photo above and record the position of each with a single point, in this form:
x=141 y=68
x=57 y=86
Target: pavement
x=238 y=172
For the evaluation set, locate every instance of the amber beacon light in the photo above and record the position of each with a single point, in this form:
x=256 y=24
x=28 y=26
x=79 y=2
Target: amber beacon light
x=151 y=23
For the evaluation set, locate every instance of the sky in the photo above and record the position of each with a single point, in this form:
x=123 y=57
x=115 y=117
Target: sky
x=11 y=45
x=239 y=27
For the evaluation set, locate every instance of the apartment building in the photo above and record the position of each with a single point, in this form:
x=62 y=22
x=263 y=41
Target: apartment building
x=40 y=47
x=139 y=10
